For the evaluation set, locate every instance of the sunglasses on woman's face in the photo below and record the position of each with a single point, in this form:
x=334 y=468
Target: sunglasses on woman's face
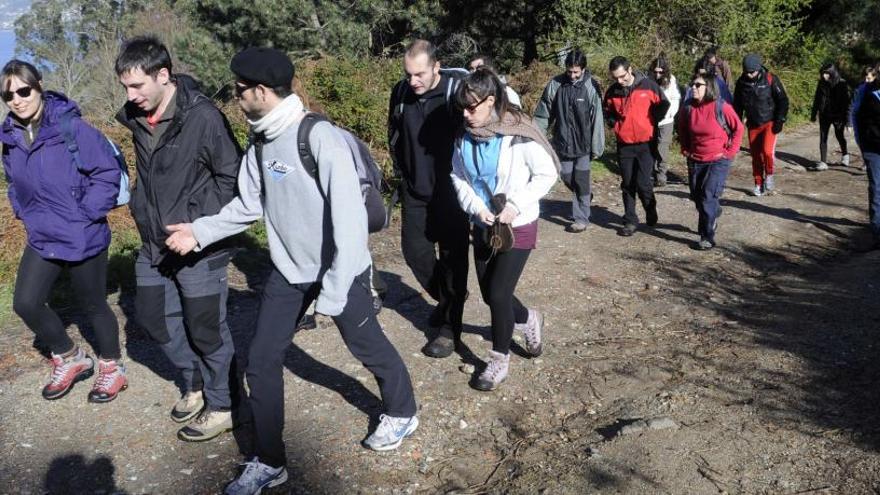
x=698 y=85
x=23 y=92
x=473 y=106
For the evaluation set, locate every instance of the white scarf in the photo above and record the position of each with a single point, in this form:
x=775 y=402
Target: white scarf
x=287 y=113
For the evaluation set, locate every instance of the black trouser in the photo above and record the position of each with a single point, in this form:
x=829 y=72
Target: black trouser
x=636 y=168
x=33 y=286
x=282 y=304
x=824 y=127
x=441 y=273
x=498 y=275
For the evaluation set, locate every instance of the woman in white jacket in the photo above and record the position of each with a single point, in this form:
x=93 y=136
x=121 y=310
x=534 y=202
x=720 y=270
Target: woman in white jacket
x=663 y=77
x=502 y=166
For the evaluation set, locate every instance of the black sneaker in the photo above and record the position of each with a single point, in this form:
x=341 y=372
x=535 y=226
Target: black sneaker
x=307 y=322
x=628 y=230
x=651 y=217
x=442 y=345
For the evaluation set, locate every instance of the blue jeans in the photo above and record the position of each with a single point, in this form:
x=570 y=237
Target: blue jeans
x=872 y=166
x=706 y=181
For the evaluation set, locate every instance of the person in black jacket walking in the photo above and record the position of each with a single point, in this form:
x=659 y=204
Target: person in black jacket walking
x=866 y=127
x=187 y=166
x=571 y=110
x=422 y=121
x=831 y=104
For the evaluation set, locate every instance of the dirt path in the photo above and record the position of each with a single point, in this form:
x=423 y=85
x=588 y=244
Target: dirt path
x=750 y=368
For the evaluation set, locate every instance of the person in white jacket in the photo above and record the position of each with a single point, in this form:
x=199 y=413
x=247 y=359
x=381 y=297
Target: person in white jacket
x=659 y=68
x=502 y=165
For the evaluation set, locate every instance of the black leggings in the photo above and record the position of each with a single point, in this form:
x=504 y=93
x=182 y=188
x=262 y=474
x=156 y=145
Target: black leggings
x=824 y=127
x=498 y=276
x=33 y=286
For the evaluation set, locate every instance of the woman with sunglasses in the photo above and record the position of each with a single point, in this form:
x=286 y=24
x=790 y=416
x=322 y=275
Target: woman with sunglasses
x=63 y=207
x=663 y=77
x=710 y=134
x=502 y=165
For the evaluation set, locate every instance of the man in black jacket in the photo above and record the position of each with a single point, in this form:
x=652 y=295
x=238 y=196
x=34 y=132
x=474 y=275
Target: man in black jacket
x=570 y=109
x=187 y=165
x=421 y=126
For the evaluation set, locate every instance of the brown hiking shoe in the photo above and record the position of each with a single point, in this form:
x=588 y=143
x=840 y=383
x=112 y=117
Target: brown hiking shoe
x=66 y=371
x=209 y=424
x=111 y=380
x=188 y=406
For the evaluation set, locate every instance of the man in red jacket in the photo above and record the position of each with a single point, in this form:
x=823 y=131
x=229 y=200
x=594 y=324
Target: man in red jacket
x=633 y=105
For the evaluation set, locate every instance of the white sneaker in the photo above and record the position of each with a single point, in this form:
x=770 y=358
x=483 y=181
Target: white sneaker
x=845 y=160
x=495 y=372
x=255 y=477
x=757 y=191
x=391 y=432
x=533 y=331
x=821 y=166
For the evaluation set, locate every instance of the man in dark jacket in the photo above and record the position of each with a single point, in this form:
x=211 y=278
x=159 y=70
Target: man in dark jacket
x=187 y=164
x=571 y=109
x=866 y=127
x=760 y=97
x=831 y=104
x=421 y=126
x=634 y=105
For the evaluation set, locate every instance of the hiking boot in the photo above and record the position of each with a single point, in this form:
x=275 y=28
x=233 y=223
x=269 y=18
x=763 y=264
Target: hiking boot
x=845 y=160
x=442 y=345
x=705 y=245
x=209 y=424
x=757 y=191
x=438 y=316
x=255 y=477
x=66 y=371
x=494 y=373
x=391 y=432
x=307 y=322
x=769 y=184
x=628 y=230
x=532 y=331
x=821 y=166
x=651 y=217
x=111 y=380
x=576 y=227
x=188 y=406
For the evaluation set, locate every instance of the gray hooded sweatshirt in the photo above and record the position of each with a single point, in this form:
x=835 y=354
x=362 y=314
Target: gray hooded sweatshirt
x=310 y=239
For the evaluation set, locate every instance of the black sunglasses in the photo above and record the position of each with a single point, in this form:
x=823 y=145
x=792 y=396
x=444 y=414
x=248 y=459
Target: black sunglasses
x=698 y=85
x=473 y=106
x=241 y=88
x=23 y=92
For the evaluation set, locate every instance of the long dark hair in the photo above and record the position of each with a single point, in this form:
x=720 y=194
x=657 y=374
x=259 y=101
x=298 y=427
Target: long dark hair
x=661 y=62
x=22 y=70
x=481 y=84
x=712 y=90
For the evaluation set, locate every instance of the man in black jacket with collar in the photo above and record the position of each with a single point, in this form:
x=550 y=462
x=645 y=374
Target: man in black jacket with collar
x=187 y=166
x=421 y=127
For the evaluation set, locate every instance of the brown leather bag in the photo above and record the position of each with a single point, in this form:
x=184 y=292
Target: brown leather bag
x=500 y=235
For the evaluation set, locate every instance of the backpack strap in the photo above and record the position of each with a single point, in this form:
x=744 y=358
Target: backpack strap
x=67 y=132
x=304 y=146
x=719 y=116
x=257 y=140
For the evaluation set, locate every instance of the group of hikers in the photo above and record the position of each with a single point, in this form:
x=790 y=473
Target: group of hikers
x=473 y=168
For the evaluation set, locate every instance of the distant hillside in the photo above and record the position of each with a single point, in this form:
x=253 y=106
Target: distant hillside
x=10 y=10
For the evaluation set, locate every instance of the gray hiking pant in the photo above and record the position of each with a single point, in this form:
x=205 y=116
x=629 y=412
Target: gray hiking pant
x=182 y=305
x=661 y=157
x=575 y=174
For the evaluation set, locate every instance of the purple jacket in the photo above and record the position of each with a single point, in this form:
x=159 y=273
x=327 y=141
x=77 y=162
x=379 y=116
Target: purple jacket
x=63 y=209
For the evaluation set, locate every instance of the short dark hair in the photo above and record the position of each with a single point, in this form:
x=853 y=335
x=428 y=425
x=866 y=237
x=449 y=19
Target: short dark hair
x=419 y=47
x=22 y=70
x=712 y=51
x=704 y=65
x=488 y=61
x=618 y=62
x=576 y=58
x=712 y=90
x=143 y=52
x=483 y=83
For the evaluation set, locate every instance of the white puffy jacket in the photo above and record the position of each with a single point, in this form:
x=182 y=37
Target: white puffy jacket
x=526 y=173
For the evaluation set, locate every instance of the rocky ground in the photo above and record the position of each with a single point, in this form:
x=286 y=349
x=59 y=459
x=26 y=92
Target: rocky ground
x=749 y=368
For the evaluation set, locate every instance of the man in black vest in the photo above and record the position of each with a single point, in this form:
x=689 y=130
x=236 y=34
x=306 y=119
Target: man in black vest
x=422 y=122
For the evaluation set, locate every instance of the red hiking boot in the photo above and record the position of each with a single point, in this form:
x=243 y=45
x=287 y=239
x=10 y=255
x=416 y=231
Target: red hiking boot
x=111 y=380
x=66 y=371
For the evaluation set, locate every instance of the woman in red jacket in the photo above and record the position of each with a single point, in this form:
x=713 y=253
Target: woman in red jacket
x=710 y=134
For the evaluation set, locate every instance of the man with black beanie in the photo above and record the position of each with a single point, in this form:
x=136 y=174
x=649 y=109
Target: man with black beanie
x=317 y=231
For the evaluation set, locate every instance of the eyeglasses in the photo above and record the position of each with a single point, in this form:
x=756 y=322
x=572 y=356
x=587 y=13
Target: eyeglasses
x=473 y=106
x=241 y=88
x=659 y=71
x=697 y=85
x=23 y=92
